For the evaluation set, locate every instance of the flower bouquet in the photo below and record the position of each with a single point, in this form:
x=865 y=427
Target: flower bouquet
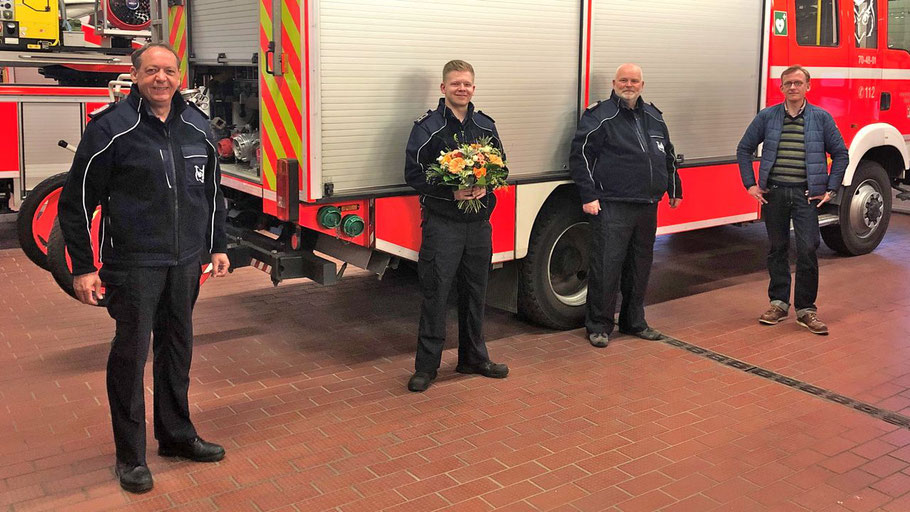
x=479 y=164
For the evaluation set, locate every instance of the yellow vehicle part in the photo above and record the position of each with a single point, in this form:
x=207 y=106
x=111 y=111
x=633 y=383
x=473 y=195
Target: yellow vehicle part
x=30 y=24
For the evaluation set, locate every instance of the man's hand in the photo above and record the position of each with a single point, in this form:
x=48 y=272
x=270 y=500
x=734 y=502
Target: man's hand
x=220 y=264
x=592 y=208
x=756 y=192
x=675 y=202
x=88 y=288
x=822 y=199
x=466 y=194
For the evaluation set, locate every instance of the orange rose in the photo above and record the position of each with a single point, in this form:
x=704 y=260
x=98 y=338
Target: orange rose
x=480 y=172
x=495 y=160
x=456 y=165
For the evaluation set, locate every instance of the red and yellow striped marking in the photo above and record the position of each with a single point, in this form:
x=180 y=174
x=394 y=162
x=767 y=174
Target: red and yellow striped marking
x=176 y=21
x=282 y=97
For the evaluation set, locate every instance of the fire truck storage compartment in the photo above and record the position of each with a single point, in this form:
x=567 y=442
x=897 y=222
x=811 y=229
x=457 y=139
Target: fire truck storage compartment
x=234 y=110
x=45 y=123
x=380 y=66
x=224 y=32
x=701 y=63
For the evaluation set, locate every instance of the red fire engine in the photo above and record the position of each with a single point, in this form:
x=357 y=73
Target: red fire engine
x=313 y=99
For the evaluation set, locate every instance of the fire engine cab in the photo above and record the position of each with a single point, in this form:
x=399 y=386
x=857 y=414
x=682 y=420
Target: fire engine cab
x=312 y=102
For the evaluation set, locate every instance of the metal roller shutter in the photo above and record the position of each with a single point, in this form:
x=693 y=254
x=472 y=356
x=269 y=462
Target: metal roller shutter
x=230 y=27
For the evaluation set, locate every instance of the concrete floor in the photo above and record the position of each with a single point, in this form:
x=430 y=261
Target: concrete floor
x=305 y=386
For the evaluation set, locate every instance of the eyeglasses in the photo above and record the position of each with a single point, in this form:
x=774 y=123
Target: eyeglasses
x=793 y=83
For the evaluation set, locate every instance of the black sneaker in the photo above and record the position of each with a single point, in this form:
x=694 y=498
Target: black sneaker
x=195 y=450
x=487 y=369
x=420 y=381
x=134 y=479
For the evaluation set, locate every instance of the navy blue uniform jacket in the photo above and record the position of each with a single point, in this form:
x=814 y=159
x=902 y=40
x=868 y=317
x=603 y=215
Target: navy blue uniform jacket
x=156 y=182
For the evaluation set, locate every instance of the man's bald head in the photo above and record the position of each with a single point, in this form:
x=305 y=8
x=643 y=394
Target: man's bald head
x=628 y=83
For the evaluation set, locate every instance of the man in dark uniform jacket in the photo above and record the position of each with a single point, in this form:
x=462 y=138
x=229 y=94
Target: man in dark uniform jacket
x=455 y=245
x=149 y=162
x=623 y=163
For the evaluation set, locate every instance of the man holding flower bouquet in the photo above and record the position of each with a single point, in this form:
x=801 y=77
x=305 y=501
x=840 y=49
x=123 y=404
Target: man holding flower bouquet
x=454 y=160
x=623 y=163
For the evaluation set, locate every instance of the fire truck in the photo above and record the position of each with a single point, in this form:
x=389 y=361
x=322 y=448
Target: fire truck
x=312 y=102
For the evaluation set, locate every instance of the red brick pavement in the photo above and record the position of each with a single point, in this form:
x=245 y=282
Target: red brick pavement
x=305 y=386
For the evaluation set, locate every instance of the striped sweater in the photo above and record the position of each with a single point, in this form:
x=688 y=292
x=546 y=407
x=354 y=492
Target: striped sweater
x=790 y=165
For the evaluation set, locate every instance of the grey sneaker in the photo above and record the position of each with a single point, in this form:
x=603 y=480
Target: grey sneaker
x=648 y=333
x=810 y=321
x=775 y=314
x=599 y=339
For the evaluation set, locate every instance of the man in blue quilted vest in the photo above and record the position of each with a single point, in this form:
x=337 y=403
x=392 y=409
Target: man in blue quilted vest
x=793 y=183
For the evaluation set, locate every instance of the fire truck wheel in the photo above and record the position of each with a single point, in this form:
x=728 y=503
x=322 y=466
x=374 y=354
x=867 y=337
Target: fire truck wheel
x=553 y=277
x=36 y=218
x=864 y=212
x=57 y=261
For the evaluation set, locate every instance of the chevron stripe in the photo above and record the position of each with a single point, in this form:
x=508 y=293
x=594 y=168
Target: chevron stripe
x=281 y=98
x=177 y=38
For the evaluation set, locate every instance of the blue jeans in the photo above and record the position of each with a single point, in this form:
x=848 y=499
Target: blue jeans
x=786 y=204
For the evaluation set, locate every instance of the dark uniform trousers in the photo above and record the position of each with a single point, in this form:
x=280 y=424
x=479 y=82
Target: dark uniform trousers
x=143 y=301
x=622 y=249
x=786 y=204
x=459 y=252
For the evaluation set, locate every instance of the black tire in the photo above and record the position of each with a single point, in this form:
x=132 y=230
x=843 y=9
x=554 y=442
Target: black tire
x=56 y=261
x=864 y=212
x=33 y=244
x=552 y=278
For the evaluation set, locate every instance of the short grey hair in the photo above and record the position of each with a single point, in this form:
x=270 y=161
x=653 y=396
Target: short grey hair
x=136 y=56
x=636 y=66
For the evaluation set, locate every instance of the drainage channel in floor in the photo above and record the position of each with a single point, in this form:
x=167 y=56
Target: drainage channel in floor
x=876 y=412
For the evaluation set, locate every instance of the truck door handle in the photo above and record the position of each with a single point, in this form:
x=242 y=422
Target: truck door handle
x=885 y=103
x=270 y=58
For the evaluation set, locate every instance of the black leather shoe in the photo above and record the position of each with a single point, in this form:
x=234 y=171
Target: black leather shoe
x=420 y=381
x=195 y=449
x=487 y=369
x=647 y=334
x=135 y=479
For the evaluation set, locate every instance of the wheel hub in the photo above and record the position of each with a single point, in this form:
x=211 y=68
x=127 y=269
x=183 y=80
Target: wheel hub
x=567 y=265
x=874 y=208
x=866 y=209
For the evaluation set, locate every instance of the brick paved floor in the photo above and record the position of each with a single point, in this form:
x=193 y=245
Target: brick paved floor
x=305 y=386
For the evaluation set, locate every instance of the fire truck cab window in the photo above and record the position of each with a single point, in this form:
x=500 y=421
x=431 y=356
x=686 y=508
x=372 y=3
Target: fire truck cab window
x=899 y=24
x=864 y=24
x=817 y=23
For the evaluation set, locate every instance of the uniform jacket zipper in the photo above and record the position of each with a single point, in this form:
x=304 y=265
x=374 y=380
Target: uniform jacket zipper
x=167 y=136
x=645 y=151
